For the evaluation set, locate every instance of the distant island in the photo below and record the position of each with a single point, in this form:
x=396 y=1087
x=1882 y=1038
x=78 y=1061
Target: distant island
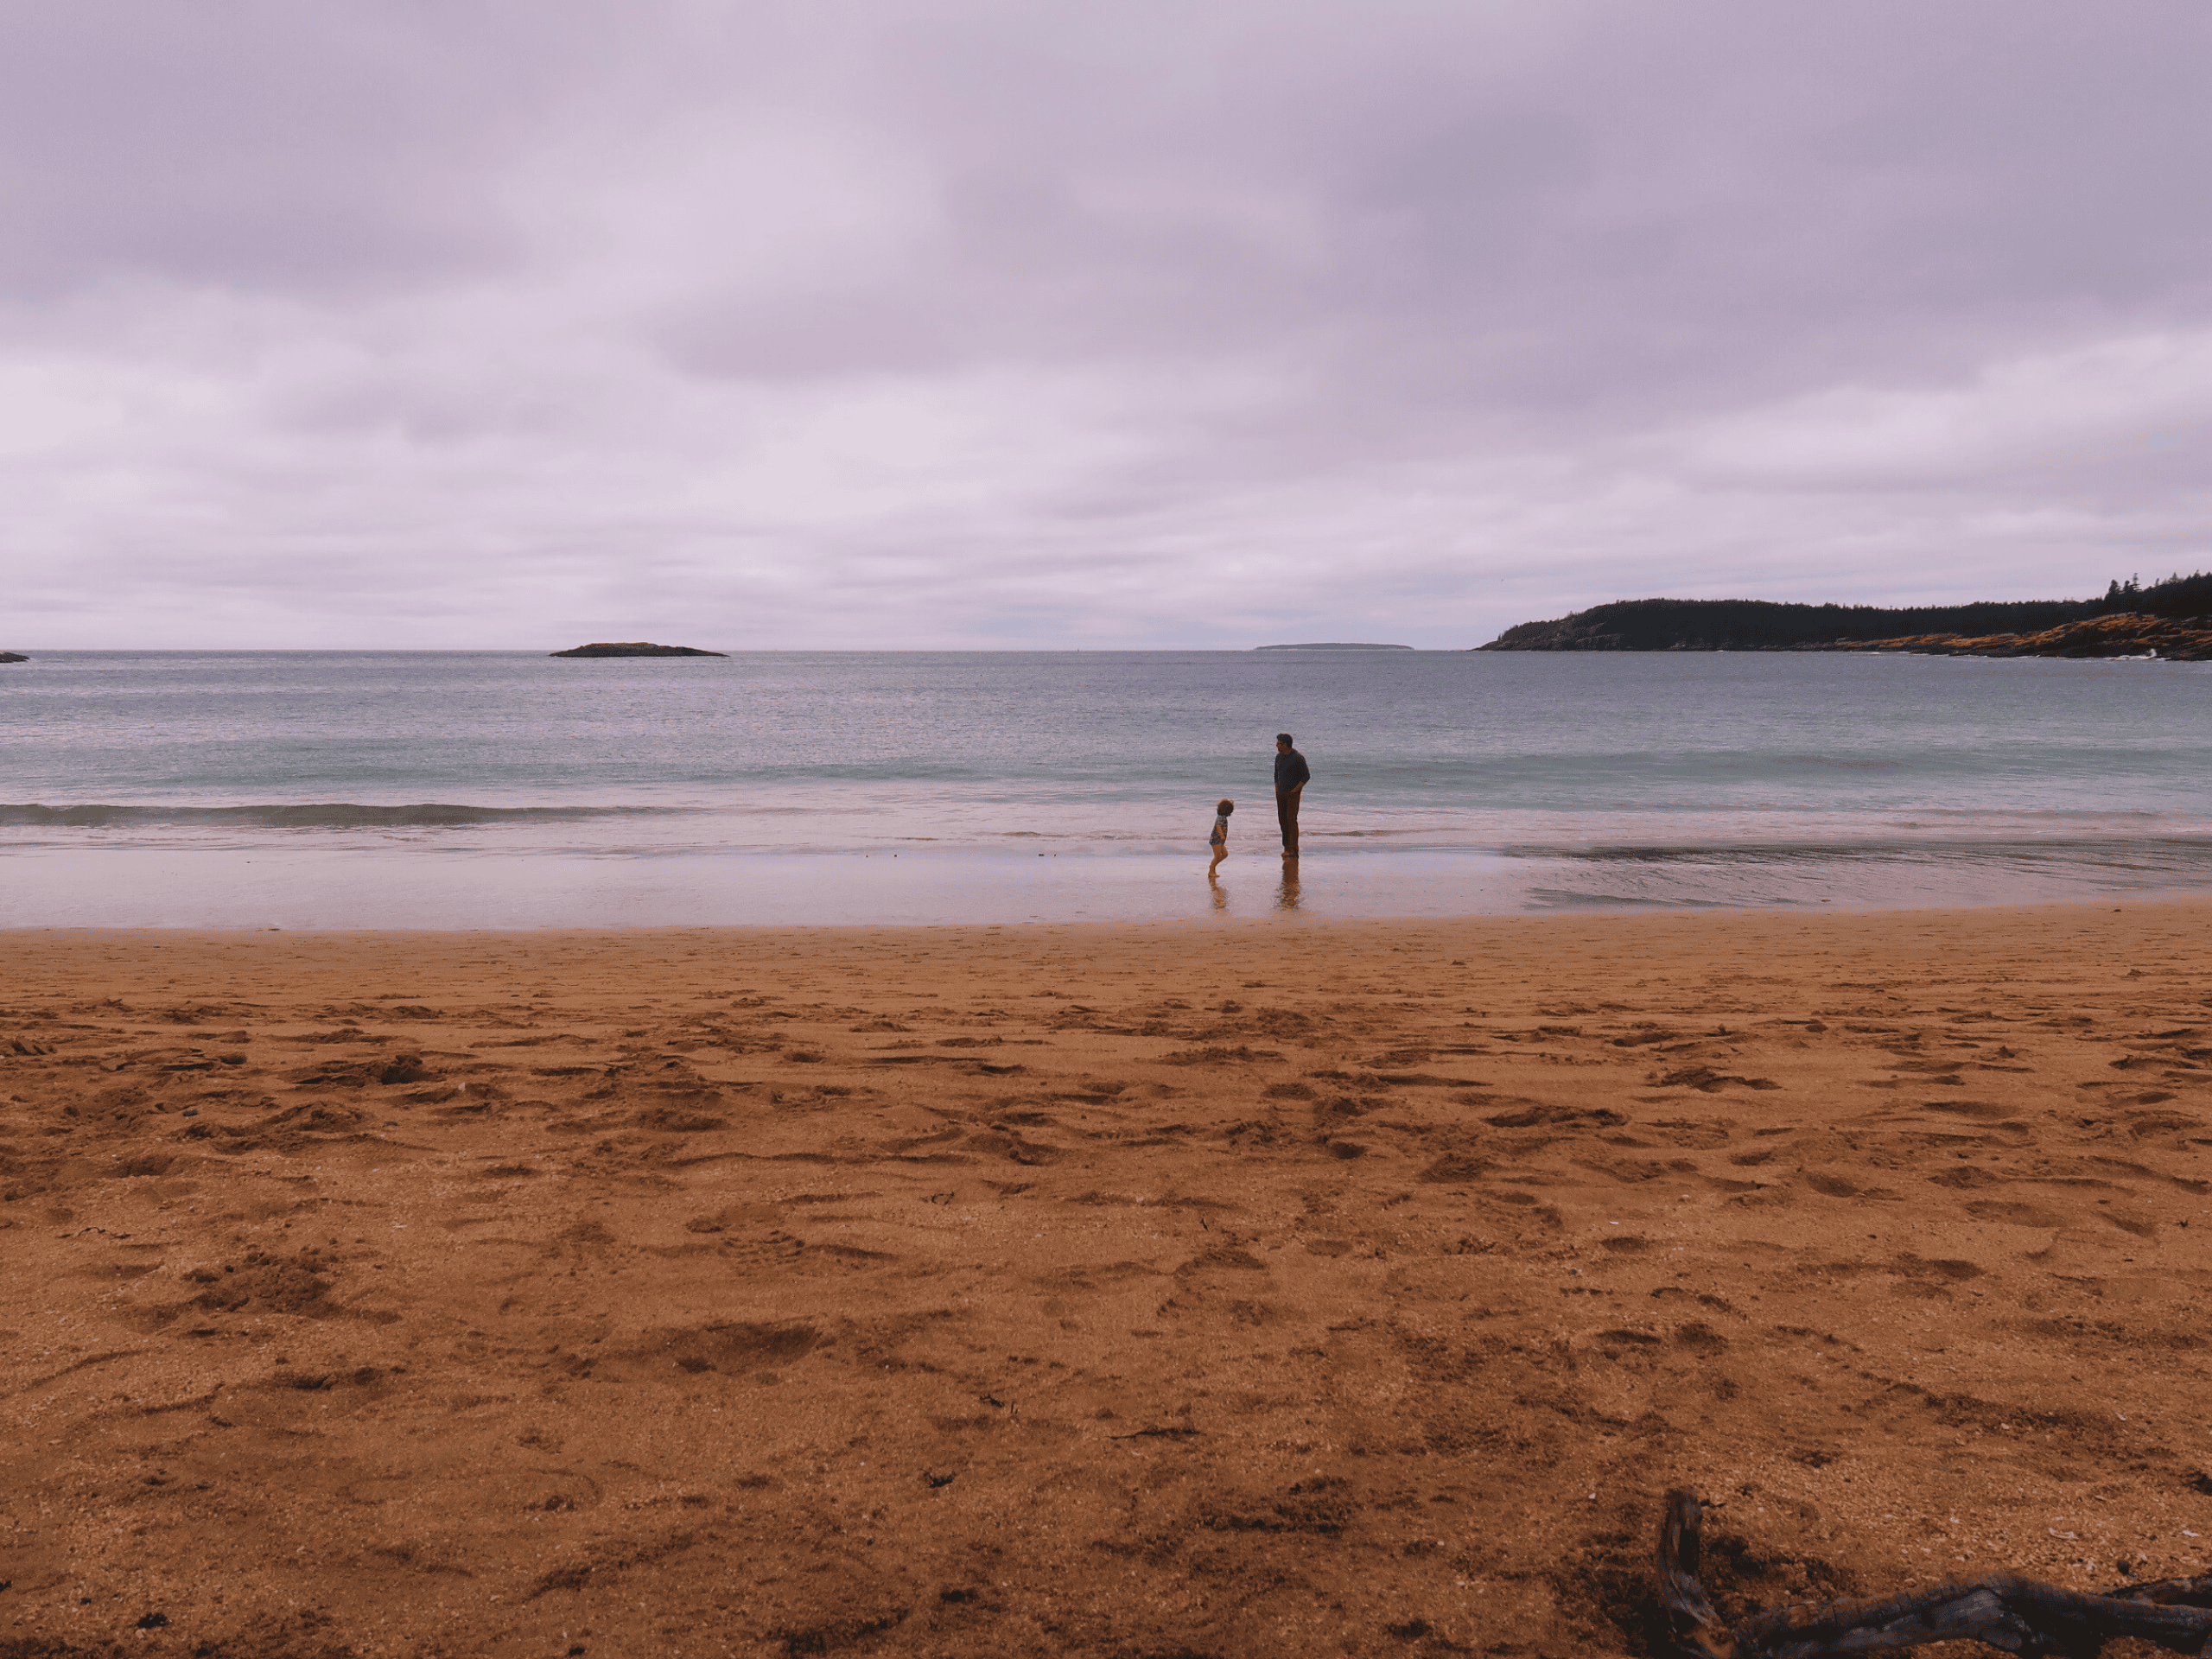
x=12 y=657
x=637 y=648
x=2170 y=620
x=1333 y=644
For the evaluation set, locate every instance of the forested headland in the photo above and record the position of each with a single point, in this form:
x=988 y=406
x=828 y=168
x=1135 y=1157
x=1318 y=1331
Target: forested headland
x=1766 y=625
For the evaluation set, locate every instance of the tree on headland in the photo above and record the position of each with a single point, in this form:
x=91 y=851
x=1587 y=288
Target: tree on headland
x=2177 y=595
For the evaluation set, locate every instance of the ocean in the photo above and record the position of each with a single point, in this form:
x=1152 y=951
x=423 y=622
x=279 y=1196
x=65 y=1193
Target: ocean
x=504 y=789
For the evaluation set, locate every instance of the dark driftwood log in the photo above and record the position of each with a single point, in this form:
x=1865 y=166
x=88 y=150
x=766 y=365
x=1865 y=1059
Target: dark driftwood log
x=2021 y=1616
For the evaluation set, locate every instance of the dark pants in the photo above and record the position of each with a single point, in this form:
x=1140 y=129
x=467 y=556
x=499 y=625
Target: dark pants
x=1286 y=816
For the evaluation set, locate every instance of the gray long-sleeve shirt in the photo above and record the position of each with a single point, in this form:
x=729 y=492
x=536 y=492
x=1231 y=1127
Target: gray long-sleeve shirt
x=1290 y=772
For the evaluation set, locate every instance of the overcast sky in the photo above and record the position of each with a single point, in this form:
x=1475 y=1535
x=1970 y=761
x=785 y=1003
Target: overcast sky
x=881 y=323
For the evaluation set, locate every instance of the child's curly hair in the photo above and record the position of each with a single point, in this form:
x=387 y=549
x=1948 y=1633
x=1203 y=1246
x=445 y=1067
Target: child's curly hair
x=1224 y=808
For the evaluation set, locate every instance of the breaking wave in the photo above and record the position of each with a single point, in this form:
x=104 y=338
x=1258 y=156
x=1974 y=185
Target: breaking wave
x=323 y=815
x=2114 y=848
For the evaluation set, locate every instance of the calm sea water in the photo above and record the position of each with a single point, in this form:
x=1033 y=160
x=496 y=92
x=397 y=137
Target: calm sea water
x=463 y=789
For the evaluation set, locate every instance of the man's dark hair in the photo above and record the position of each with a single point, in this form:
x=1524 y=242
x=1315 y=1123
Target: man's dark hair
x=1284 y=737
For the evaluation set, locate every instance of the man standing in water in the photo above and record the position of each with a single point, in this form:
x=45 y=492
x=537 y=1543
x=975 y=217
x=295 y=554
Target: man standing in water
x=1291 y=779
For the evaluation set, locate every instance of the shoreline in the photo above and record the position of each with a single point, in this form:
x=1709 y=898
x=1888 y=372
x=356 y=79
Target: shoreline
x=307 y=889
x=1271 y=923
x=1092 y=1286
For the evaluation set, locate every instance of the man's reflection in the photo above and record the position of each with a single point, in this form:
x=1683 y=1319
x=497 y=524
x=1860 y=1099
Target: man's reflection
x=1287 y=895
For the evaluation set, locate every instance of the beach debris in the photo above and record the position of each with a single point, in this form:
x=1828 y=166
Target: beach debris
x=2022 y=1616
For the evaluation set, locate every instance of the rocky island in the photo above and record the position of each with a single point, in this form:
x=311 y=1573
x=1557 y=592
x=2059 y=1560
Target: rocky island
x=2170 y=620
x=13 y=657
x=636 y=648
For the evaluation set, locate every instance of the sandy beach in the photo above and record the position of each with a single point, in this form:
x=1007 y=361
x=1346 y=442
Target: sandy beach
x=1219 y=1289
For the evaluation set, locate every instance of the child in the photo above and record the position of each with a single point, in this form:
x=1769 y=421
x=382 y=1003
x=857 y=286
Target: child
x=1220 y=840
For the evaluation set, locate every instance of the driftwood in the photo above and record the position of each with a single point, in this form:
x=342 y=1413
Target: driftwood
x=2021 y=1616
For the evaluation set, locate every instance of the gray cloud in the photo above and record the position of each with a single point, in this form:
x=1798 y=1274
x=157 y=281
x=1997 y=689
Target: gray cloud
x=923 y=321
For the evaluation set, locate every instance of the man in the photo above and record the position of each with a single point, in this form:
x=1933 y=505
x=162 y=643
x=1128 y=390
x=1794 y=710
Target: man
x=1291 y=779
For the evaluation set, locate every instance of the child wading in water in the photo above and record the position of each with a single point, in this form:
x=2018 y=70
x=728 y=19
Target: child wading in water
x=1219 y=841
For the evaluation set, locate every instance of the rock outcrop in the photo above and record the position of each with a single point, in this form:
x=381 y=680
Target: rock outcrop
x=636 y=648
x=12 y=657
x=2102 y=636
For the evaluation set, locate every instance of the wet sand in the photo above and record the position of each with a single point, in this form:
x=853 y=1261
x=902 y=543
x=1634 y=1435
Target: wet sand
x=1219 y=1289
